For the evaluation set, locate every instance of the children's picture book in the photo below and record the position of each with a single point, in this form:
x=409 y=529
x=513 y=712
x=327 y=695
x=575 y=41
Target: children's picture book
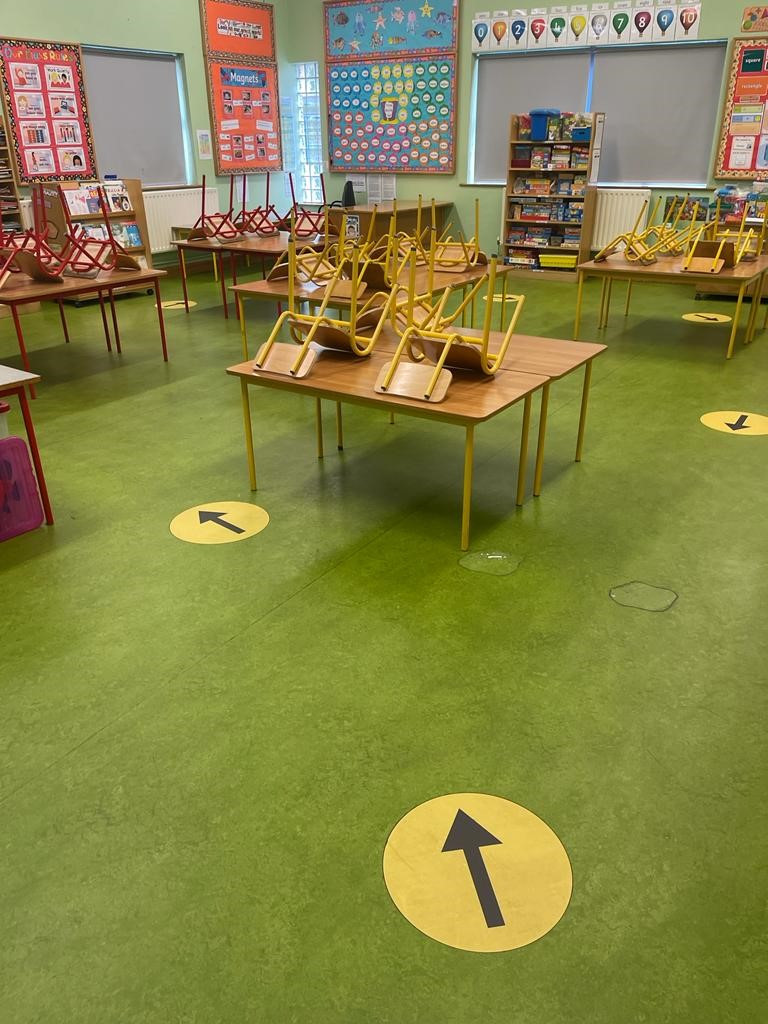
x=117 y=197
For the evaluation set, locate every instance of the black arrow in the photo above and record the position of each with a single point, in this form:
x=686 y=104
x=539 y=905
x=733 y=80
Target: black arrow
x=215 y=517
x=468 y=836
x=740 y=424
x=703 y=316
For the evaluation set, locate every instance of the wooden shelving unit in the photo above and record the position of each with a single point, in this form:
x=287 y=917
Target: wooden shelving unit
x=136 y=214
x=548 y=210
x=10 y=211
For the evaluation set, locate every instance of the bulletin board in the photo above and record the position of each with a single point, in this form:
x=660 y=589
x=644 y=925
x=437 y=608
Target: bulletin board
x=742 y=151
x=46 y=110
x=391 y=70
x=243 y=99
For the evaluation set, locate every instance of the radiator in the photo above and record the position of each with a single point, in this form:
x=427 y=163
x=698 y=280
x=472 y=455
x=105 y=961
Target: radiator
x=174 y=207
x=617 y=211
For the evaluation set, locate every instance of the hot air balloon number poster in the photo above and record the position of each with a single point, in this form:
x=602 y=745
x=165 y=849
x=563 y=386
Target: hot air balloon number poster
x=391 y=70
x=743 y=148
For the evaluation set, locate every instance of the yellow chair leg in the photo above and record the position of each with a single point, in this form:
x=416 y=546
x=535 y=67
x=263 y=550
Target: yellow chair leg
x=522 y=465
x=248 y=432
x=391 y=417
x=466 y=501
x=583 y=413
x=215 y=268
x=540 y=443
x=319 y=425
x=339 y=428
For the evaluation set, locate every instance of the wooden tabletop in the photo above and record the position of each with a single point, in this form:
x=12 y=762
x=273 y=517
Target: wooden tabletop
x=20 y=288
x=255 y=245
x=338 y=377
x=667 y=268
x=10 y=377
x=551 y=356
x=278 y=290
x=403 y=206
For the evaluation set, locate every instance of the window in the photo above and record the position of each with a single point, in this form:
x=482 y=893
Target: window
x=138 y=115
x=649 y=141
x=302 y=135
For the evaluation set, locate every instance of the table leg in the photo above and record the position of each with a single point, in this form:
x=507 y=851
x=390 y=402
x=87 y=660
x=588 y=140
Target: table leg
x=583 y=413
x=472 y=311
x=183 y=275
x=629 y=296
x=540 y=443
x=608 y=301
x=241 y=317
x=104 y=322
x=579 y=298
x=223 y=286
x=466 y=499
x=160 y=320
x=64 y=327
x=736 y=317
x=754 y=309
x=319 y=426
x=22 y=346
x=263 y=268
x=35 y=451
x=339 y=428
x=248 y=432
x=522 y=465
x=233 y=264
x=464 y=311
x=391 y=418
x=111 y=295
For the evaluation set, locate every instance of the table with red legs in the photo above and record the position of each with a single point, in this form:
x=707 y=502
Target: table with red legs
x=270 y=247
x=14 y=382
x=20 y=290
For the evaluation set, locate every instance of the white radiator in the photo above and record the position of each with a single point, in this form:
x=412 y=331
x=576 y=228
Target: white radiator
x=174 y=207
x=617 y=210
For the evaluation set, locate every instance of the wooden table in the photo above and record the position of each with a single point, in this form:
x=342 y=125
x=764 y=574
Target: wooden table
x=19 y=290
x=271 y=247
x=407 y=215
x=670 y=271
x=339 y=378
x=14 y=382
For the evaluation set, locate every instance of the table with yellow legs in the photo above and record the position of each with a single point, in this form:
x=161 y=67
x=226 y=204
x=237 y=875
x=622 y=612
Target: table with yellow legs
x=745 y=277
x=469 y=401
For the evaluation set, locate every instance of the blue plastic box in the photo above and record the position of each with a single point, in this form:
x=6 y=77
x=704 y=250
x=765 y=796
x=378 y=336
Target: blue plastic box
x=539 y=119
x=582 y=134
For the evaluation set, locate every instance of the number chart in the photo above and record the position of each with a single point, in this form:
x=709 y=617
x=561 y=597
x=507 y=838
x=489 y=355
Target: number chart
x=391 y=70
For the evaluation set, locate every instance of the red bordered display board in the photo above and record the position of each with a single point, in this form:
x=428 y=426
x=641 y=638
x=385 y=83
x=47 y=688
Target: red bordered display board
x=239 y=49
x=46 y=109
x=392 y=72
x=742 y=151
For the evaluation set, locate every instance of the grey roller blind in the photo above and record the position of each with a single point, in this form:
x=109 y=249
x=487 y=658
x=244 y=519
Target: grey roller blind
x=136 y=118
x=517 y=84
x=660 y=104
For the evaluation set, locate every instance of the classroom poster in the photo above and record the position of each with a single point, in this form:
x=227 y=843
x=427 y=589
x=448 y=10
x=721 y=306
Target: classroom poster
x=239 y=47
x=391 y=73
x=743 y=147
x=46 y=110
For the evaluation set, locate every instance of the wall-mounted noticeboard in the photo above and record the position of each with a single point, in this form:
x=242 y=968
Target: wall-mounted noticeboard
x=742 y=150
x=239 y=51
x=46 y=110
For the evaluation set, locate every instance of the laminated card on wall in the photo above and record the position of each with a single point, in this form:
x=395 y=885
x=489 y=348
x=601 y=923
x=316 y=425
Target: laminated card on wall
x=599 y=18
x=557 y=27
x=621 y=16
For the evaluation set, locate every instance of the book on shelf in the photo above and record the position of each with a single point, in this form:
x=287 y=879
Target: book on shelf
x=76 y=199
x=580 y=157
x=539 y=156
x=133 y=235
x=117 y=197
x=531 y=186
x=561 y=158
x=520 y=156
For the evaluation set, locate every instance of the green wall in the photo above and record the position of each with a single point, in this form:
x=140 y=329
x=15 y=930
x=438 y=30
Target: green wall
x=173 y=25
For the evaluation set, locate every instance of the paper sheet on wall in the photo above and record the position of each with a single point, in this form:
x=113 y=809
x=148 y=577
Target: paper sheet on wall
x=382 y=188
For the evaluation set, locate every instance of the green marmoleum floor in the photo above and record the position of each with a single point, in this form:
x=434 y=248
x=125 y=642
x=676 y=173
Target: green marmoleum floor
x=204 y=748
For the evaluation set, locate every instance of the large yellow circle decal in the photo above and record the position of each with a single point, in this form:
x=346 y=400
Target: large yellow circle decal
x=477 y=872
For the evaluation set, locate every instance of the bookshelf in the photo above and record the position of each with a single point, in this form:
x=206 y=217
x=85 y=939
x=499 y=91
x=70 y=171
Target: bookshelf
x=10 y=211
x=548 y=209
x=127 y=215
